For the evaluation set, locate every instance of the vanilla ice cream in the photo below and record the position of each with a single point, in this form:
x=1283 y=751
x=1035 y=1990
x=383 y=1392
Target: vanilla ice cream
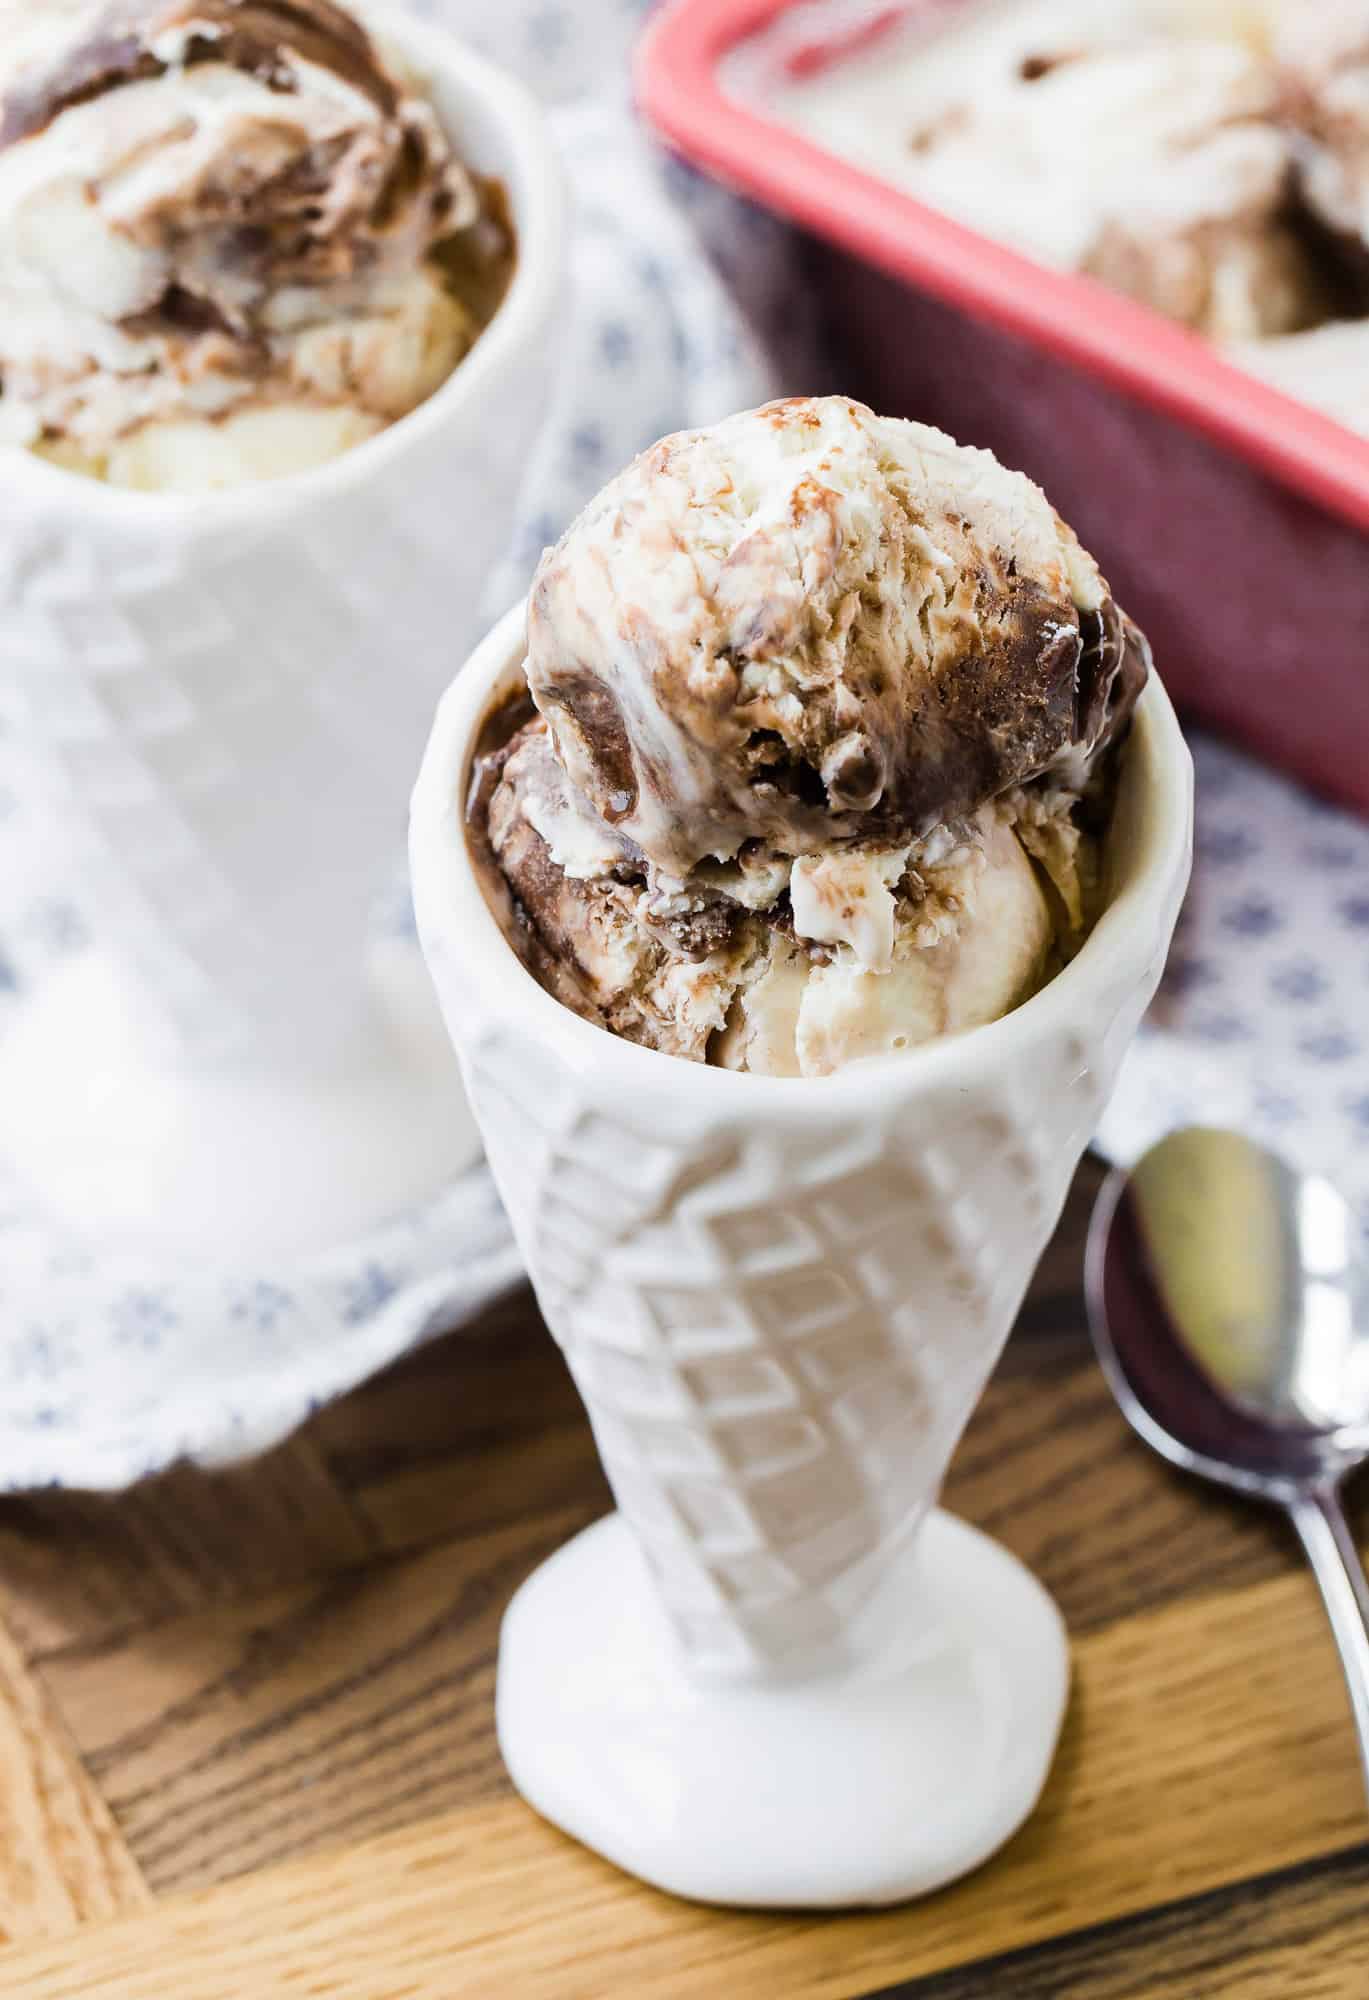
x=1323 y=52
x=234 y=239
x=817 y=746
x=1209 y=158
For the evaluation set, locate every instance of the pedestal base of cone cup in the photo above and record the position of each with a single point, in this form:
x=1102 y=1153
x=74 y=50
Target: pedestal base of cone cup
x=865 y=1786
x=130 y=1151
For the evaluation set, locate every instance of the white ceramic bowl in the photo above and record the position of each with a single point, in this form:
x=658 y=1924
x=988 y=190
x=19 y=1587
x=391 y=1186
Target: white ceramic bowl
x=781 y=1299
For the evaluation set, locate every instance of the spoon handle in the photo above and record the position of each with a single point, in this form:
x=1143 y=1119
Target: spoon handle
x=1325 y=1533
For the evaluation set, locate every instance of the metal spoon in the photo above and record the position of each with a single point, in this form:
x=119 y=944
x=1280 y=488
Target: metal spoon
x=1230 y=1309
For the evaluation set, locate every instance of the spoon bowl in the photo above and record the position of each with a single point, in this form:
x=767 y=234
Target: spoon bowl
x=1229 y=1306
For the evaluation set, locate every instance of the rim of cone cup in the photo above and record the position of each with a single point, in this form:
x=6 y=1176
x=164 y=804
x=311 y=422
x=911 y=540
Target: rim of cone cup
x=536 y=185
x=1126 y=947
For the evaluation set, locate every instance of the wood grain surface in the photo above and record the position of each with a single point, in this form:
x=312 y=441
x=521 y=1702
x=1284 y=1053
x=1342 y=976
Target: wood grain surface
x=246 y=1739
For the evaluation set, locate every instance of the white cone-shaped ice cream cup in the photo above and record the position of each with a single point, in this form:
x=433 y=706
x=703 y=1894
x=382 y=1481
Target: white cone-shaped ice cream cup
x=780 y=1674
x=227 y=696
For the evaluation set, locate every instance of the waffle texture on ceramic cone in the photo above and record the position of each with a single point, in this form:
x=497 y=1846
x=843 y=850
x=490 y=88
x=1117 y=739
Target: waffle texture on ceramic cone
x=226 y=709
x=780 y=1318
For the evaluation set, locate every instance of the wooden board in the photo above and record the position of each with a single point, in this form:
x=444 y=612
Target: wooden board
x=246 y=1743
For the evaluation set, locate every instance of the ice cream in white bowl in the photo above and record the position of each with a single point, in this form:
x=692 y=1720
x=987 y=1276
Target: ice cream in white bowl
x=236 y=239
x=226 y=693
x=780 y=1675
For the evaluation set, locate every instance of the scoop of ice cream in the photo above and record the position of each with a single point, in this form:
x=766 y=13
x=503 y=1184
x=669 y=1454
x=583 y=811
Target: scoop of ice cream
x=827 y=713
x=1208 y=237
x=1209 y=158
x=1154 y=144
x=1324 y=51
x=972 y=938
x=810 y=625
x=586 y=920
x=1160 y=165
x=875 y=954
x=210 y=208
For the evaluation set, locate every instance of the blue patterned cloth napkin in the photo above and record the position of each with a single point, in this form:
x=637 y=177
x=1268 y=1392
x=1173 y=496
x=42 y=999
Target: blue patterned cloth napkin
x=1262 y=1021
x=686 y=306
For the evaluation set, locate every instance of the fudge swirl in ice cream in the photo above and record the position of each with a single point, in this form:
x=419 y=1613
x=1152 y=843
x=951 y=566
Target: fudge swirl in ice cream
x=1207 y=158
x=817 y=747
x=234 y=240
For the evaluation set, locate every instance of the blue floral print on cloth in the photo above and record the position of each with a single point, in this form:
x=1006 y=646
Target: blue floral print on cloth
x=1263 y=1018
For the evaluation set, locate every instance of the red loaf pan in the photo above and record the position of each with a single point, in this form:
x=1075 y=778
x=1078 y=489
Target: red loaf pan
x=1232 y=521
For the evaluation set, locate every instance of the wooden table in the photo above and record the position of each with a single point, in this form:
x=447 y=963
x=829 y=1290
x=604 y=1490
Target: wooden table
x=246 y=1744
